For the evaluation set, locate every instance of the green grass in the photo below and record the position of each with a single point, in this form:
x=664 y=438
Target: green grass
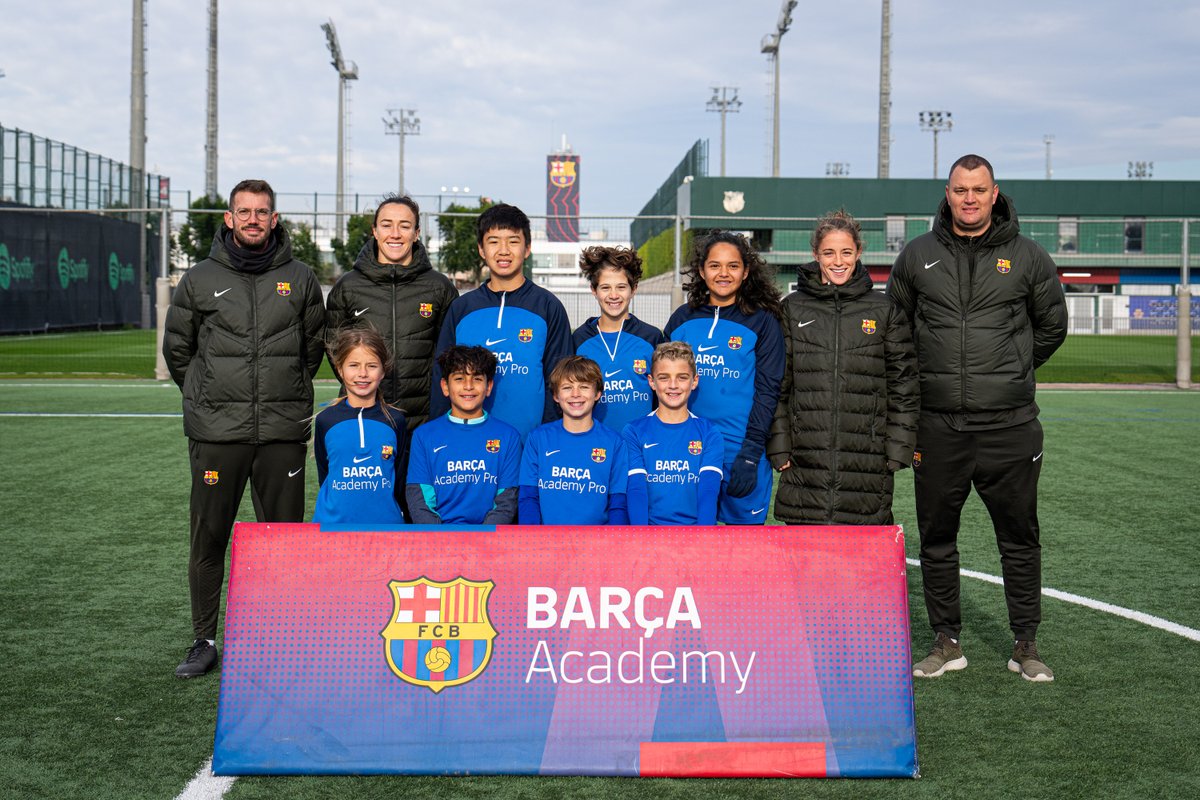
x=131 y=354
x=94 y=616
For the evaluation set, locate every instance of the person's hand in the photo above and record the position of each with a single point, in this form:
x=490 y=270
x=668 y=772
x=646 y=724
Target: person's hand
x=743 y=477
x=783 y=466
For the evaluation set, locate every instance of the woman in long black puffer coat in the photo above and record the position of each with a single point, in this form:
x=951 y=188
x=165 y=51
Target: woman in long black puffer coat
x=847 y=415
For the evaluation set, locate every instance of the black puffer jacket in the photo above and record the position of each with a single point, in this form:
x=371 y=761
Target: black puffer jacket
x=244 y=346
x=405 y=304
x=986 y=311
x=848 y=405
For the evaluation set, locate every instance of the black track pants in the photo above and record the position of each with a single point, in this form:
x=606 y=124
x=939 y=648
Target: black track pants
x=1003 y=466
x=219 y=476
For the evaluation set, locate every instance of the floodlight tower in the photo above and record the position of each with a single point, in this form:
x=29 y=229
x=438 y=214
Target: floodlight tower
x=935 y=122
x=210 y=140
x=723 y=104
x=401 y=122
x=347 y=71
x=770 y=46
x=885 y=91
x=1049 y=140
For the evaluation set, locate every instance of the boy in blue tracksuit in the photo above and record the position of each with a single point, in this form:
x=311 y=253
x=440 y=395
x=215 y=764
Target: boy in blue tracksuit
x=573 y=471
x=674 y=456
x=616 y=340
x=522 y=323
x=731 y=320
x=464 y=464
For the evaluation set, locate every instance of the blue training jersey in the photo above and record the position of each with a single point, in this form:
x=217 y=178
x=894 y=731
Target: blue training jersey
x=573 y=475
x=672 y=458
x=462 y=465
x=357 y=450
x=528 y=330
x=624 y=359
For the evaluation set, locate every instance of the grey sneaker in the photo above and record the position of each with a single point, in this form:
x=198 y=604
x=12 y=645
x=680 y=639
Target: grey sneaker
x=946 y=654
x=1025 y=660
x=201 y=657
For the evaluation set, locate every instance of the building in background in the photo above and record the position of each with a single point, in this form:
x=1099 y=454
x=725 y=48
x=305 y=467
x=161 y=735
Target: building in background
x=562 y=195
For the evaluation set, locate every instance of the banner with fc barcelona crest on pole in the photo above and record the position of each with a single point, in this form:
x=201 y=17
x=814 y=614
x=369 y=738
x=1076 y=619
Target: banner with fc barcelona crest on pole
x=690 y=651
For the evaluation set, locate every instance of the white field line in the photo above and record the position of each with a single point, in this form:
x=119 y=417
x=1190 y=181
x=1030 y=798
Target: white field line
x=90 y=415
x=206 y=786
x=1096 y=605
x=85 y=384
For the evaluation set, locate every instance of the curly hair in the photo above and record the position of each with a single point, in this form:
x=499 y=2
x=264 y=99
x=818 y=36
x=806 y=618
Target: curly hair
x=474 y=360
x=839 y=220
x=758 y=289
x=673 y=351
x=593 y=260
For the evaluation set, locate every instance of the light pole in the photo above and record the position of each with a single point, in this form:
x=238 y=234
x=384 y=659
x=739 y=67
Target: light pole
x=1141 y=170
x=935 y=122
x=837 y=169
x=723 y=104
x=770 y=46
x=210 y=132
x=1049 y=140
x=402 y=122
x=885 y=92
x=347 y=71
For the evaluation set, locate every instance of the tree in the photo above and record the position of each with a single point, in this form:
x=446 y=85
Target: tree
x=196 y=235
x=459 y=252
x=358 y=229
x=304 y=248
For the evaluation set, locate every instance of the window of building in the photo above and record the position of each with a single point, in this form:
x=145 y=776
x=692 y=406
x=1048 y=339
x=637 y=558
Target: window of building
x=1068 y=234
x=1134 y=228
x=895 y=233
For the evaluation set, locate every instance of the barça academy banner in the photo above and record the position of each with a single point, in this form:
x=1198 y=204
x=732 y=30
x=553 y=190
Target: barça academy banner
x=701 y=652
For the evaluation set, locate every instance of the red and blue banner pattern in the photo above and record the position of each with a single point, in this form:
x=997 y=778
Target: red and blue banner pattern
x=689 y=651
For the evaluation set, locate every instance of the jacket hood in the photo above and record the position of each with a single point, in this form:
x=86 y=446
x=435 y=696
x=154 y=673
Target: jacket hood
x=1004 y=225
x=809 y=282
x=221 y=253
x=368 y=264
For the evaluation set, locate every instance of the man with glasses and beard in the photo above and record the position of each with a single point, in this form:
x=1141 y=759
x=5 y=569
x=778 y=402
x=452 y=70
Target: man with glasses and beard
x=244 y=337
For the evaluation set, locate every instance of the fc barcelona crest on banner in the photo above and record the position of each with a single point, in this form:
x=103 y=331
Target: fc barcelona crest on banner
x=868 y=326
x=211 y=476
x=639 y=366
x=562 y=173
x=599 y=454
x=426 y=310
x=439 y=633
x=1003 y=266
x=525 y=335
x=493 y=445
x=735 y=343
x=695 y=447
x=283 y=288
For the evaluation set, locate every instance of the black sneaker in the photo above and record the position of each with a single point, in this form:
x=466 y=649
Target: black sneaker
x=201 y=657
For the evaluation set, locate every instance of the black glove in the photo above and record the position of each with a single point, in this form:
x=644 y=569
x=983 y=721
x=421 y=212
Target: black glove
x=743 y=477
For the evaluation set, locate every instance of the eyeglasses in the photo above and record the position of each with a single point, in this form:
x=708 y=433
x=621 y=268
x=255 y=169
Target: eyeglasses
x=260 y=213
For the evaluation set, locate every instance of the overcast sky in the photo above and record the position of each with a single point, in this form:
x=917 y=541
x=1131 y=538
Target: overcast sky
x=497 y=84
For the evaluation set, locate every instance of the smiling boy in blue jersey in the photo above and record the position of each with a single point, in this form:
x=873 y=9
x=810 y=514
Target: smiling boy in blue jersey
x=731 y=319
x=574 y=470
x=464 y=464
x=617 y=340
x=522 y=323
x=674 y=456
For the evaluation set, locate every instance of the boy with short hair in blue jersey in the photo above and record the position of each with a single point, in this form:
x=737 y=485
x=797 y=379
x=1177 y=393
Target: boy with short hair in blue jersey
x=617 y=340
x=522 y=323
x=574 y=470
x=464 y=464
x=675 y=457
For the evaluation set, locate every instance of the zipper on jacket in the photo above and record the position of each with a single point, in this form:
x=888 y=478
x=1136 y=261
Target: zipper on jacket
x=362 y=437
x=500 y=316
x=837 y=424
x=716 y=319
x=254 y=353
x=395 y=342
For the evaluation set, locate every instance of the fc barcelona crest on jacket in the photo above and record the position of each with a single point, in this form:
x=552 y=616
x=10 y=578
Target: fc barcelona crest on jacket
x=639 y=366
x=868 y=326
x=493 y=445
x=695 y=447
x=599 y=454
x=388 y=452
x=1003 y=266
x=426 y=310
x=283 y=288
x=525 y=334
x=735 y=343
x=439 y=633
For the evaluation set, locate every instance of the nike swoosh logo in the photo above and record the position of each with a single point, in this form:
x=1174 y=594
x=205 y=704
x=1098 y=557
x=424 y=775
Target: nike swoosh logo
x=489 y=342
x=757 y=511
x=358 y=460
x=443 y=447
x=802 y=324
x=614 y=372
x=648 y=446
x=223 y=291
x=703 y=349
x=362 y=311
x=297 y=472
x=552 y=452
x=934 y=264
x=1039 y=455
